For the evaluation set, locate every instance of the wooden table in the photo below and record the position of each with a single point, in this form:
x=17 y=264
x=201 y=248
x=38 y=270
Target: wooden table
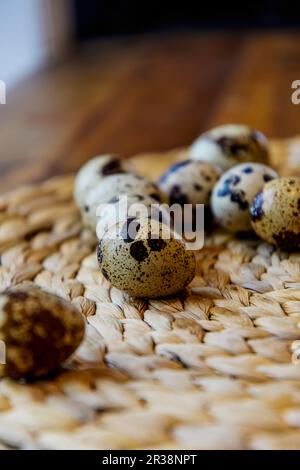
x=146 y=93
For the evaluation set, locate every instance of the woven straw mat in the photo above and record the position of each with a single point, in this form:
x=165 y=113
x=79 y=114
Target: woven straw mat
x=210 y=369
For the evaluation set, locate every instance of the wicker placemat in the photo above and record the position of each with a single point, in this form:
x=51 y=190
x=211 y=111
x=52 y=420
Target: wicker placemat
x=209 y=370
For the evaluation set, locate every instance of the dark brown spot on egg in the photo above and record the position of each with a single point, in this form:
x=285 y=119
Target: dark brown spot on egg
x=177 y=196
x=100 y=252
x=112 y=167
x=105 y=273
x=138 y=251
x=267 y=178
x=155 y=196
x=256 y=208
x=239 y=198
x=247 y=170
x=156 y=244
x=206 y=177
x=114 y=200
x=138 y=197
x=226 y=189
x=232 y=146
x=198 y=187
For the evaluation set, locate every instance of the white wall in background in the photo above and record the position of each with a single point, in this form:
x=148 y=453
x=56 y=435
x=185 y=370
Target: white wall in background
x=31 y=33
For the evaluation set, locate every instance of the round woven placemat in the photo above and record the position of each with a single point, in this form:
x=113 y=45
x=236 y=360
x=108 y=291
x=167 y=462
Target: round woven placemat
x=210 y=369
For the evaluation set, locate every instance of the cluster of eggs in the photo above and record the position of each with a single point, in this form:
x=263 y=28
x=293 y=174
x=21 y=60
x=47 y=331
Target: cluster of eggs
x=138 y=251
x=225 y=171
x=247 y=194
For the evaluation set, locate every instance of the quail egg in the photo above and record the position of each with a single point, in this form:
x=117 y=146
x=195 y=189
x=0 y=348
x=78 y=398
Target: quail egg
x=234 y=192
x=189 y=182
x=111 y=188
x=94 y=171
x=275 y=213
x=38 y=330
x=230 y=145
x=143 y=258
x=135 y=205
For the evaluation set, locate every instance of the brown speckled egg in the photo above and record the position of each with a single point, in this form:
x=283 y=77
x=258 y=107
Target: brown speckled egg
x=230 y=145
x=113 y=187
x=93 y=171
x=275 y=213
x=133 y=260
x=38 y=330
x=234 y=192
x=189 y=182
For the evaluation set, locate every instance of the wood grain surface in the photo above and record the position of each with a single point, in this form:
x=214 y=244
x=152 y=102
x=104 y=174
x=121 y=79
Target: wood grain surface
x=142 y=94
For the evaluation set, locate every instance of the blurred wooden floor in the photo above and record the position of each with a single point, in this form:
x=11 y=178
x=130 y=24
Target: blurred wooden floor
x=141 y=94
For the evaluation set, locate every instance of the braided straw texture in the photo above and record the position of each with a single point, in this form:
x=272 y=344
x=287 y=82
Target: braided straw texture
x=211 y=369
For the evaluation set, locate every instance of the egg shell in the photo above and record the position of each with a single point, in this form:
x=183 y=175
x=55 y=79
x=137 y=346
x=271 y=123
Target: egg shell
x=92 y=172
x=141 y=265
x=39 y=331
x=230 y=145
x=275 y=213
x=113 y=187
x=234 y=192
x=189 y=182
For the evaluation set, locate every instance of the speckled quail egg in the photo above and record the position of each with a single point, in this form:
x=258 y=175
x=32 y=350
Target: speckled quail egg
x=234 y=192
x=38 y=330
x=189 y=182
x=111 y=188
x=143 y=258
x=94 y=171
x=275 y=213
x=230 y=145
x=125 y=206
